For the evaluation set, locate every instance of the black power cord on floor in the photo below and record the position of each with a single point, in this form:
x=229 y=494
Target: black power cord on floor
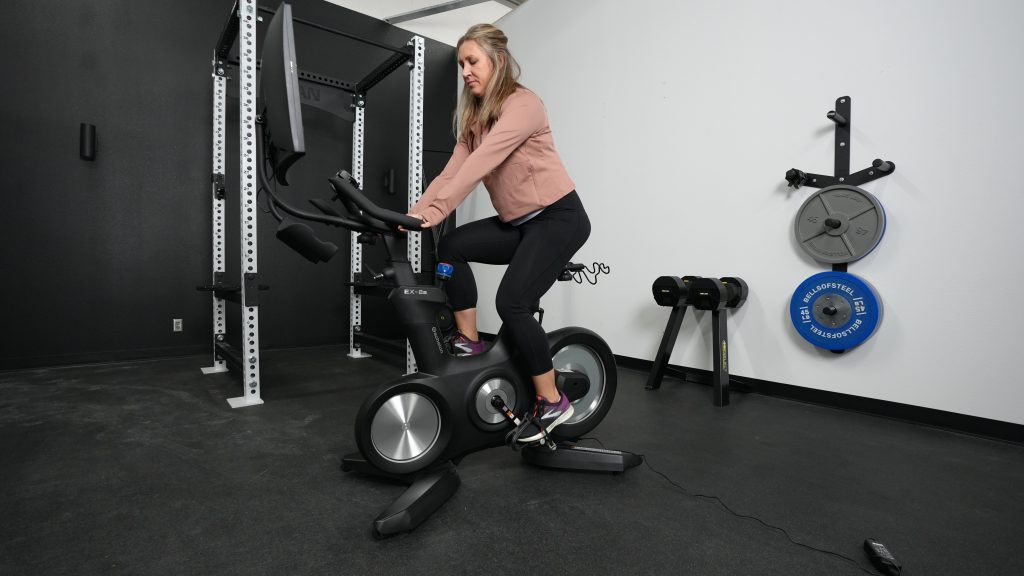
x=743 y=516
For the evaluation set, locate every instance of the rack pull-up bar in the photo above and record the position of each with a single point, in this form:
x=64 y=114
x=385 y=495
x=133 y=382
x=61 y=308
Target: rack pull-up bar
x=402 y=50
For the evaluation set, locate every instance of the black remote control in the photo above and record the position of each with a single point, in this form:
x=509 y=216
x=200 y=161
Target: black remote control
x=881 y=557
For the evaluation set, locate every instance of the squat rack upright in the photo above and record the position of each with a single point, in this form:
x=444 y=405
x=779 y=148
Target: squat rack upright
x=241 y=25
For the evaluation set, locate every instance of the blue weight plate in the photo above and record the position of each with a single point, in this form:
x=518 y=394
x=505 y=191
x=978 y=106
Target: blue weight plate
x=835 y=310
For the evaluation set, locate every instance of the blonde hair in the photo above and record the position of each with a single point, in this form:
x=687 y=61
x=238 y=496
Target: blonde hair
x=477 y=114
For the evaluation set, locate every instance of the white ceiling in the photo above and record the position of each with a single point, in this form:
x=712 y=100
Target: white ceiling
x=445 y=27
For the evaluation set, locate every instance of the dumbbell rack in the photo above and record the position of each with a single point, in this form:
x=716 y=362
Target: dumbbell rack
x=702 y=294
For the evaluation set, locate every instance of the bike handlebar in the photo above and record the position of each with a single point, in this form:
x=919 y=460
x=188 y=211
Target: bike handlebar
x=366 y=210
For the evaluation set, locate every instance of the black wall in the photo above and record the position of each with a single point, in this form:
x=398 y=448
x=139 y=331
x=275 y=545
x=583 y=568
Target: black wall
x=96 y=258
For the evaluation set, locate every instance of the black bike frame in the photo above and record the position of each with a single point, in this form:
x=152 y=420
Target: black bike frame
x=418 y=306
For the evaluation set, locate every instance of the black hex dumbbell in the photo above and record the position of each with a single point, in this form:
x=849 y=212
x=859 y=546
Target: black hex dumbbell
x=712 y=294
x=708 y=294
x=736 y=290
x=672 y=291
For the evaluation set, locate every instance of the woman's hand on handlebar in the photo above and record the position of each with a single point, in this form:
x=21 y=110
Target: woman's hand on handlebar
x=419 y=217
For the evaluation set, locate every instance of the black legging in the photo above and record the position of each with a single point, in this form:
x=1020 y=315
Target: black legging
x=535 y=251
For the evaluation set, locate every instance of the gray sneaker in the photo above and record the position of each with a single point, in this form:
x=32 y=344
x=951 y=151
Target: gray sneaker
x=545 y=417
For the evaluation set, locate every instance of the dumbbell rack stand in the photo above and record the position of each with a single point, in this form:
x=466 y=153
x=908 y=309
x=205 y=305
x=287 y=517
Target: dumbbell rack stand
x=720 y=357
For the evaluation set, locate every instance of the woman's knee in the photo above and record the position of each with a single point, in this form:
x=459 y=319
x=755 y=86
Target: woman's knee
x=509 y=309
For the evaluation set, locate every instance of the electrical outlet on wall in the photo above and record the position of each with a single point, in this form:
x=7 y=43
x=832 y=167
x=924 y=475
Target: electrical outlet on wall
x=177 y=324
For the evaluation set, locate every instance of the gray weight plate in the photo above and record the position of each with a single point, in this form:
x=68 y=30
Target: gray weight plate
x=840 y=224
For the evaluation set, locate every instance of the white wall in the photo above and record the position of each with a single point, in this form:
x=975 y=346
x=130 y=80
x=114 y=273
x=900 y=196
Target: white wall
x=678 y=120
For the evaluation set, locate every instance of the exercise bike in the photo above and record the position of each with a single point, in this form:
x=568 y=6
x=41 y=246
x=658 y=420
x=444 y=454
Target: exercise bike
x=416 y=428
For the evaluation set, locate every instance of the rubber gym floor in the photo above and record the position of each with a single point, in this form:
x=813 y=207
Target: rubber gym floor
x=142 y=468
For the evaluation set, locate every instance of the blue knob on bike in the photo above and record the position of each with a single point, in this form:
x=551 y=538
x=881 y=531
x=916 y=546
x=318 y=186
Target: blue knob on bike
x=444 y=271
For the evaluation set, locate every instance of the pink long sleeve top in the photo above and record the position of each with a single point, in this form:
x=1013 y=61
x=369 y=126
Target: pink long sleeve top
x=516 y=160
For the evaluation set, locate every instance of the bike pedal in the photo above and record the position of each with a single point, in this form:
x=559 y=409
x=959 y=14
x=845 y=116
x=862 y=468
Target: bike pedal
x=544 y=442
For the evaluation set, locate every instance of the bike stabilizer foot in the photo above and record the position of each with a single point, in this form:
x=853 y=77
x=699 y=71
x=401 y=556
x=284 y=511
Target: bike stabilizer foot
x=571 y=457
x=424 y=496
x=428 y=490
